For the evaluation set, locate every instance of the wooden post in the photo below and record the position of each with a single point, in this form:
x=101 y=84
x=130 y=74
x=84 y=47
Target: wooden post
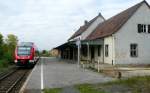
x=79 y=54
x=88 y=52
x=78 y=43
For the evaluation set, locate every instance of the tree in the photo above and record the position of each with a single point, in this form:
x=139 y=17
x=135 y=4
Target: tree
x=11 y=41
x=1 y=46
x=1 y=39
x=44 y=52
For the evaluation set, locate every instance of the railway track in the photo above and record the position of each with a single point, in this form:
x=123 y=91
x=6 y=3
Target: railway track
x=9 y=82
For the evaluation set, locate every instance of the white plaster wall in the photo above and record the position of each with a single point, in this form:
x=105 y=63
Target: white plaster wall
x=91 y=28
x=129 y=34
x=110 y=41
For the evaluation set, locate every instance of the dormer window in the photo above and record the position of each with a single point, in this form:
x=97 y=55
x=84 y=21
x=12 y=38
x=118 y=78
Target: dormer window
x=143 y=28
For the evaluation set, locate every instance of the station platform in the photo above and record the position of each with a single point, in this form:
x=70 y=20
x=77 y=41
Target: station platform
x=55 y=73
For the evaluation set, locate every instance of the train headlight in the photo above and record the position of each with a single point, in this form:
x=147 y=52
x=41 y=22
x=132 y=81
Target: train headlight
x=16 y=61
x=32 y=61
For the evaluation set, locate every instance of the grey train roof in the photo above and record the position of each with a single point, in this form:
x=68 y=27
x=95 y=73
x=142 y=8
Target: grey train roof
x=25 y=44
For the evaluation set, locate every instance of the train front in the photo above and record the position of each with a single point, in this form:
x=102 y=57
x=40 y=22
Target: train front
x=24 y=56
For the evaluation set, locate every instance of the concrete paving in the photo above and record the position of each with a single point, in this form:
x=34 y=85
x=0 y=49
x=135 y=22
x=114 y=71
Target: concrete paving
x=57 y=73
x=133 y=73
x=33 y=83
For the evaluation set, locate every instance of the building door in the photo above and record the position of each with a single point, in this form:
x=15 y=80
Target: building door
x=92 y=52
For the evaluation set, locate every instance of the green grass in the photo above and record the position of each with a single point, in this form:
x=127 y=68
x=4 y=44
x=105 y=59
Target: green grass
x=54 y=90
x=134 y=84
x=87 y=88
x=131 y=81
x=138 y=84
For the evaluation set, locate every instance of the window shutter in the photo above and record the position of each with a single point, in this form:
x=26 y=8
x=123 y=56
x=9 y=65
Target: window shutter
x=139 y=28
x=148 y=28
x=144 y=28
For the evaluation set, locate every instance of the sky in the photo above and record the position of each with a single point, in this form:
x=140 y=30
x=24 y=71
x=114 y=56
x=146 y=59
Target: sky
x=49 y=23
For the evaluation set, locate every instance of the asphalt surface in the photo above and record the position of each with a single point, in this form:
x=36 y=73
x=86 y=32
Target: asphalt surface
x=57 y=73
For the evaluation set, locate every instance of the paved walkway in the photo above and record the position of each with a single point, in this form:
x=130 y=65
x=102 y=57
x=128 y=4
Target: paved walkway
x=57 y=73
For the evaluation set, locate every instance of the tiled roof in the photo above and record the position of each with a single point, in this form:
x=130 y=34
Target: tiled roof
x=84 y=27
x=113 y=24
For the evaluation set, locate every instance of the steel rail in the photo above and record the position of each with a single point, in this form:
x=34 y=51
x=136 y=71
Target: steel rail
x=17 y=81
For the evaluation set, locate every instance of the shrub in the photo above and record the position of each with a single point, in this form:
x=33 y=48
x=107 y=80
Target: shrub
x=8 y=56
x=4 y=63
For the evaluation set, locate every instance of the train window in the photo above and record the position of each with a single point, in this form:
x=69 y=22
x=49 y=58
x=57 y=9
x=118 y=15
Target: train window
x=24 y=50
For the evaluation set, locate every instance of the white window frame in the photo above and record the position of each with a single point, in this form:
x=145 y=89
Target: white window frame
x=143 y=28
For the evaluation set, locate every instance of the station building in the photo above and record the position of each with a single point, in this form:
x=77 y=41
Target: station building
x=121 y=39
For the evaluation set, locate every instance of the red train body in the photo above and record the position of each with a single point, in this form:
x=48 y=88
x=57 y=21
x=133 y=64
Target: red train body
x=25 y=54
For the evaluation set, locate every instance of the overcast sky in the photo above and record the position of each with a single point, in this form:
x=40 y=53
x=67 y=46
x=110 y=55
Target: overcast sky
x=50 y=23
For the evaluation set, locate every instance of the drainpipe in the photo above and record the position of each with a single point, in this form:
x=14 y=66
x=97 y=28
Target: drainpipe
x=103 y=51
x=113 y=48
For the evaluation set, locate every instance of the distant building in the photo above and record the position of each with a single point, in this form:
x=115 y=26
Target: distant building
x=54 y=52
x=122 y=39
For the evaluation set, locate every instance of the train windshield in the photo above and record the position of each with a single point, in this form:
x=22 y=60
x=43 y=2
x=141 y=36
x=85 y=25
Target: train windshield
x=24 y=51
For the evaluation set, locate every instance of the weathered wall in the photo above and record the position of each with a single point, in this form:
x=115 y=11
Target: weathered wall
x=110 y=41
x=129 y=34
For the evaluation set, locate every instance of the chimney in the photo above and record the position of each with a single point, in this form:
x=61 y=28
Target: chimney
x=85 y=22
x=99 y=14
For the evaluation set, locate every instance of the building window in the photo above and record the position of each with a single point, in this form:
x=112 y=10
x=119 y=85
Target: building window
x=143 y=28
x=106 y=50
x=99 y=50
x=133 y=50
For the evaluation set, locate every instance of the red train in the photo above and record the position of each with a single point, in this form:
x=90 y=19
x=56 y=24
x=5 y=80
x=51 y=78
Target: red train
x=26 y=54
